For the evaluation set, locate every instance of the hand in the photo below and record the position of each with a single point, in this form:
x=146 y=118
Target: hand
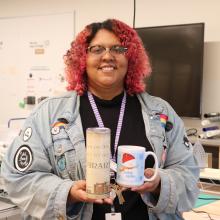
x=150 y=186
x=77 y=193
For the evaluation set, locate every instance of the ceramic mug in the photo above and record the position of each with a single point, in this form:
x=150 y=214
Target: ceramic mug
x=131 y=165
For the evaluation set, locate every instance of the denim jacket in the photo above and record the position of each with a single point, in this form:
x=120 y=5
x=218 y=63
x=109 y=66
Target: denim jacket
x=47 y=157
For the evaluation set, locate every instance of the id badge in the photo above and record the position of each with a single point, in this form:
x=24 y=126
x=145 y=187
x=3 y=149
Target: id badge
x=112 y=216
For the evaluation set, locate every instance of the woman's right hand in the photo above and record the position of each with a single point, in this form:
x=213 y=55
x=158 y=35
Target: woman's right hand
x=78 y=193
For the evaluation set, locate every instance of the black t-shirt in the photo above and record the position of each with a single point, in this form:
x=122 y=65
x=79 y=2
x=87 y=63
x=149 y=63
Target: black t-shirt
x=132 y=133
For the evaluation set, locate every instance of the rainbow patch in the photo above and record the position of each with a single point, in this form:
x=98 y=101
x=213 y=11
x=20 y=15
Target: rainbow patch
x=59 y=124
x=163 y=120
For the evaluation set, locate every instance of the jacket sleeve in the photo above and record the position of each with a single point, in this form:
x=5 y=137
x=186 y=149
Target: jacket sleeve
x=180 y=173
x=29 y=176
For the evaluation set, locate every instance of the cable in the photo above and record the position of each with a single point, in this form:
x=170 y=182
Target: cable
x=202 y=188
x=213 y=182
x=191 y=132
x=203 y=212
x=210 y=218
x=134 y=14
x=200 y=183
x=210 y=198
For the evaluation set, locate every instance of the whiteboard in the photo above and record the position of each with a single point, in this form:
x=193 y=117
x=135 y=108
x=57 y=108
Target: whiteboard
x=32 y=45
x=211 y=78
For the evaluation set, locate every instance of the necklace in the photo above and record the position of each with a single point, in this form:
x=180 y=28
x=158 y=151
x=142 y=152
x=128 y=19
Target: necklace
x=101 y=124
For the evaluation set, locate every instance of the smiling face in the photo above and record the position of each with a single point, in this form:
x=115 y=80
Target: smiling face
x=106 y=71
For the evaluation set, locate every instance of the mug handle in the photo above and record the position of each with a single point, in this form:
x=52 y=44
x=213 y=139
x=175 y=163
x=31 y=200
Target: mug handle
x=155 y=166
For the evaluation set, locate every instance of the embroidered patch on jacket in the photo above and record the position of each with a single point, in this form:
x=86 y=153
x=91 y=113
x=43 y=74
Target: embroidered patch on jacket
x=163 y=156
x=57 y=126
x=23 y=158
x=163 y=120
x=27 y=134
x=169 y=126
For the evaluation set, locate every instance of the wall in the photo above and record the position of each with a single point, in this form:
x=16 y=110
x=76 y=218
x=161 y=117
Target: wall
x=157 y=12
x=148 y=13
x=31 y=54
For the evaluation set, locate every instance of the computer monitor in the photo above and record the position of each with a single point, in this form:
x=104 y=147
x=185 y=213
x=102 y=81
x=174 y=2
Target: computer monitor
x=176 y=55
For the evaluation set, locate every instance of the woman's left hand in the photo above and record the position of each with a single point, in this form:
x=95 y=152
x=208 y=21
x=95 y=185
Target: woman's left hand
x=150 y=186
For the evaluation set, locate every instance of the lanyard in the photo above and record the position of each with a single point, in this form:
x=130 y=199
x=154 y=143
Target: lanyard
x=100 y=122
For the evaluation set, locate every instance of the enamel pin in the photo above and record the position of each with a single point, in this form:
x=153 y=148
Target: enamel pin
x=27 y=134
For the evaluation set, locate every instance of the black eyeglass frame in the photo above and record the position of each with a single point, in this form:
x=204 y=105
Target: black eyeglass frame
x=116 y=49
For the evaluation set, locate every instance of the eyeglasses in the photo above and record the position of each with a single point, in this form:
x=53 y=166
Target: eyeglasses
x=100 y=50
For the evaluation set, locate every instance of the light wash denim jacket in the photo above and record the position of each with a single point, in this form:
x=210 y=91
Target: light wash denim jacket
x=40 y=186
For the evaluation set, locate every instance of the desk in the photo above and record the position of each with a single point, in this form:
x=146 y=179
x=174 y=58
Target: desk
x=9 y=211
x=211 y=190
x=200 y=216
x=208 y=143
x=213 y=209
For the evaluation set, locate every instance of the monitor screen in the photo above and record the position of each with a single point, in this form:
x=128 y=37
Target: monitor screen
x=176 y=56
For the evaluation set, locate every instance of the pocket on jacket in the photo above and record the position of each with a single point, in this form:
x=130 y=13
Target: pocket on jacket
x=64 y=156
x=158 y=139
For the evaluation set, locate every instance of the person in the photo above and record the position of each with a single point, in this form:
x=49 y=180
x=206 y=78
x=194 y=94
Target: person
x=44 y=168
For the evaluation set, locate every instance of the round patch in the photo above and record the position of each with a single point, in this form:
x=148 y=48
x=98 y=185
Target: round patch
x=55 y=130
x=186 y=142
x=61 y=163
x=27 y=134
x=23 y=158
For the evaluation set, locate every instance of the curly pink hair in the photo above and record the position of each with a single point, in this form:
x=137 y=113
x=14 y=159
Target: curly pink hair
x=138 y=60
